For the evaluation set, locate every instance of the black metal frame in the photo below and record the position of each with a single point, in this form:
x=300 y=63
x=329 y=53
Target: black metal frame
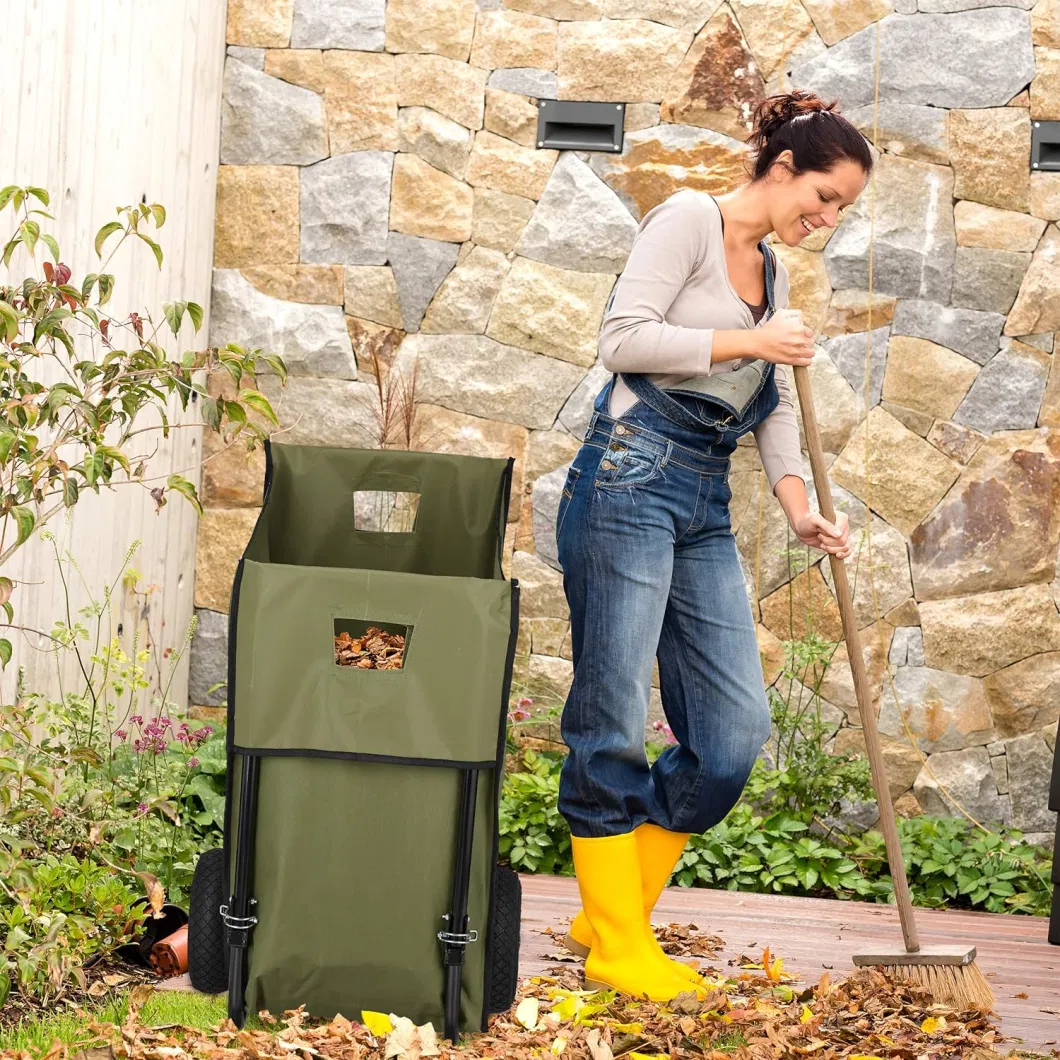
x=238 y=916
x=455 y=937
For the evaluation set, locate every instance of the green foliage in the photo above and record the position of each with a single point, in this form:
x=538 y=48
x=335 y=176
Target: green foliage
x=950 y=863
x=533 y=835
x=775 y=839
x=108 y=778
x=57 y=440
x=60 y=913
x=775 y=853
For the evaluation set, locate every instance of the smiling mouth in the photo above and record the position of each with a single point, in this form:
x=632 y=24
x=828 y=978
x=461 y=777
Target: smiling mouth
x=806 y=226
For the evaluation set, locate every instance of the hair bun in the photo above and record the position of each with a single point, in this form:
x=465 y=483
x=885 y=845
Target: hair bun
x=775 y=111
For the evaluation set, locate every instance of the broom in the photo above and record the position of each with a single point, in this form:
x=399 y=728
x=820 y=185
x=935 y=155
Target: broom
x=949 y=972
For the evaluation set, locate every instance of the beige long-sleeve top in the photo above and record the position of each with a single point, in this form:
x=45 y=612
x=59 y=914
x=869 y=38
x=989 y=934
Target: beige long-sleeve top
x=673 y=293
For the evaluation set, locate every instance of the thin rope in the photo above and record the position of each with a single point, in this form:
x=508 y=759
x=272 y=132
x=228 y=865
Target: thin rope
x=761 y=469
x=878 y=619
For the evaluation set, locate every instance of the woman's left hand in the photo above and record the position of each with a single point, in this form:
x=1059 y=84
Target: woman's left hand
x=814 y=529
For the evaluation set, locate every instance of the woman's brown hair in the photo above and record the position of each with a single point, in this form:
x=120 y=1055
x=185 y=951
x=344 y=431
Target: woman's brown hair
x=817 y=135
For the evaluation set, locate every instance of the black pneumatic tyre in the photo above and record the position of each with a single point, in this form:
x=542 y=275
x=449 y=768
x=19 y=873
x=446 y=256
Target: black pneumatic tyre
x=504 y=940
x=207 y=952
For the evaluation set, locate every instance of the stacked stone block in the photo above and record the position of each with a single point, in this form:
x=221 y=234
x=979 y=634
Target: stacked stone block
x=382 y=198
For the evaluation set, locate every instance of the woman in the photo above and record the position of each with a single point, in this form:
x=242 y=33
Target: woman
x=650 y=565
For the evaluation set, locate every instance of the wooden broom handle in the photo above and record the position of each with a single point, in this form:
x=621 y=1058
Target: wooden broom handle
x=857 y=668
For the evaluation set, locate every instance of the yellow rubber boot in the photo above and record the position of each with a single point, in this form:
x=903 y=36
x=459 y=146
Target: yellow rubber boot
x=657 y=850
x=622 y=956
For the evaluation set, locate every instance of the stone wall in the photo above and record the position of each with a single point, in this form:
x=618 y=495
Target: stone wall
x=381 y=191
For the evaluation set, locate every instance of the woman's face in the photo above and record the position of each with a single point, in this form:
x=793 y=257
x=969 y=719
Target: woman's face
x=815 y=199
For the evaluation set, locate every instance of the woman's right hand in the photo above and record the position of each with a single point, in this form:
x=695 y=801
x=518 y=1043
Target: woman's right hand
x=784 y=339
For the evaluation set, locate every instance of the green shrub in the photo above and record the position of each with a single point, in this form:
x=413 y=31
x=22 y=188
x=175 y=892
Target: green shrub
x=56 y=915
x=765 y=844
x=533 y=835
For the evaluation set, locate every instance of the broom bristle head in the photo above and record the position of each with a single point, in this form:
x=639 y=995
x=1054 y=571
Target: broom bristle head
x=961 y=985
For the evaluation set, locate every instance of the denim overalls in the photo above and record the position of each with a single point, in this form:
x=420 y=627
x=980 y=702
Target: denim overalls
x=651 y=569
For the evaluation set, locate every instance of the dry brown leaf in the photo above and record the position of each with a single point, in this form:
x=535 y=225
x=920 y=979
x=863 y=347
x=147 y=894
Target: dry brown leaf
x=598 y=1048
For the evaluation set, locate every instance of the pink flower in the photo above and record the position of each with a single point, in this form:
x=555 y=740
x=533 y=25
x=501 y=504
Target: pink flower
x=121 y=734
x=192 y=762
x=526 y=701
x=142 y=808
x=137 y=719
x=657 y=726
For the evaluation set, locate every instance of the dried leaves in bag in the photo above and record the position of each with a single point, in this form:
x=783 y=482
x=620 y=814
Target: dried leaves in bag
x=375 y=649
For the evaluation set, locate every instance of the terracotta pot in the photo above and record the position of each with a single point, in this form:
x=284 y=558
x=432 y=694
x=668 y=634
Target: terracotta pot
x=169 y=957
x=151 y=931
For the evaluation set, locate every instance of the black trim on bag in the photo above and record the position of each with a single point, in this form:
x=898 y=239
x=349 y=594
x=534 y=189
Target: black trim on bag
x=498 y=782
x=502 y=513
x=360 y=756
x=230 y=692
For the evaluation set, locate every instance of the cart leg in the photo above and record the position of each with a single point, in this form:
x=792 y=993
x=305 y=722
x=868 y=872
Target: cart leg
x=456 y=937
x=238 y=914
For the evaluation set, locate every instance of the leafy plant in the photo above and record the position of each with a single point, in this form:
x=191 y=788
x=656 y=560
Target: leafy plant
x=65 y=912
x=83 y=430
x=108 y=777
x=951 y=863
x=533 y=835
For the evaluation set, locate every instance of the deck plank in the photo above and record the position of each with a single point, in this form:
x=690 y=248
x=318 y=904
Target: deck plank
x=815 y=934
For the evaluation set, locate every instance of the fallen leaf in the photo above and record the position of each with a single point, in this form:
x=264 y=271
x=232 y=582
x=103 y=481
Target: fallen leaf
x=377 y=1022
x=598 y=1048
x=156 y=896
x=527 y=1012
x=409 y=1042
x=933 y=1024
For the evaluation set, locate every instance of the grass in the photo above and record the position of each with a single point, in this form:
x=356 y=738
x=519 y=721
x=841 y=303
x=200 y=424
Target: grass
x=204 y=1011
x=164 y=1008
x=36 y=1035
x=728 y=1042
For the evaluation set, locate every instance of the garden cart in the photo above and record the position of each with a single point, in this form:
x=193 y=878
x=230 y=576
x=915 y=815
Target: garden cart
x=371 y=640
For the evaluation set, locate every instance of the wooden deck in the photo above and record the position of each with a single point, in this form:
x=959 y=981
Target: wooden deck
x=814 y=934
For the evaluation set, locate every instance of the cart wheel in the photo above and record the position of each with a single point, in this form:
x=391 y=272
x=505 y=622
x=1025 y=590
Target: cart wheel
x=504 y=940
x=207 y=952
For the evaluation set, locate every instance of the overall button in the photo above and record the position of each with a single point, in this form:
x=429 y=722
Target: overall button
x=607 y=465
x=619 y=429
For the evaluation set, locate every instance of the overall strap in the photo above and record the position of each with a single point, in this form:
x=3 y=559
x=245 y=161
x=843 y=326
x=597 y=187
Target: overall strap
x=661 y=402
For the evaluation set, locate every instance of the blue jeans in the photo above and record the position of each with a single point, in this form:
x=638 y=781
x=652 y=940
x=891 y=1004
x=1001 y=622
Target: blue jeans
x=651 y=569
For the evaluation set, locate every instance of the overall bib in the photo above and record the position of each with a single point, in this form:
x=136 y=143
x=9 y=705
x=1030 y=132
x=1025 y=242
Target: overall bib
x=651 y=570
